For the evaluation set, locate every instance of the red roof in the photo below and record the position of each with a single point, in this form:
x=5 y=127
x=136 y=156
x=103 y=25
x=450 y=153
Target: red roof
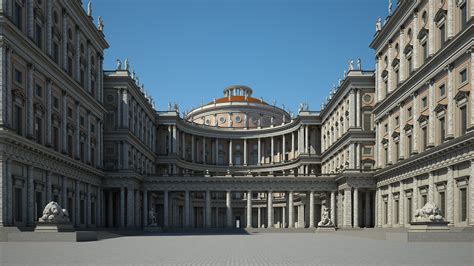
x=238 y=99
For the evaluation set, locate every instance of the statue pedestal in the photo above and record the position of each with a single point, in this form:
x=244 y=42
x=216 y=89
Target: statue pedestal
x=54 y=228
x=428 y=226
x=323 y=229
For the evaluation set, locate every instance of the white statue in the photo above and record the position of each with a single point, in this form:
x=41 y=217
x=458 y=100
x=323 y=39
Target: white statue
x=127 y=65
x=169 y=106
x=100 y=23
x=89 y=8
x=351 y=65
x=359 y=64
x=378 y=24
x=152 y=217
x=53 y=213
x=390 y=7
x=119 y=65
x=325 y=218
x=429 y=213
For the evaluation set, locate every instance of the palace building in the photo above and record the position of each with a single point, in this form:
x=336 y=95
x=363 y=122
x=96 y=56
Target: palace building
x=383 y=144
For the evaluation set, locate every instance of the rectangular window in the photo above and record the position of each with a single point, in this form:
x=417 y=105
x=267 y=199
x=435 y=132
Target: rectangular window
x=442 y=203
x=396 y=148
x=442 y=91
x=397 y=77
x=410 y=65
x=442 y=129
x=18 y=120
x=424 y=200
x=442 y=35
x=38 y=204
x=409 y=113
x=81 y=120
x=18 y=205
x=18 y=76
x=463 y=17
x=69 y=66
x=397 y=120
x=395 y=212
x=39 y=36
x=69 y=112
x=425 y=51
x=56 y=138
x=69 y=145
x=81 y=151
x=463 y=76
x=18 y=16
x=55 y=102
x=409 y=211
x=367 y=122
x=386 y=155
x=39 y=91
x=83 y=78
x=385 y=207
x=463 y=119
x=39 y=130
x=83 y=213
x=424 y=131
x=424 y=102
x=385 y=128
x=463 y=205
x=56 y=52
x=410 y=145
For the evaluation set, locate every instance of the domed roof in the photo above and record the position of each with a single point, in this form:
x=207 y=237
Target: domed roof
x=238 y=93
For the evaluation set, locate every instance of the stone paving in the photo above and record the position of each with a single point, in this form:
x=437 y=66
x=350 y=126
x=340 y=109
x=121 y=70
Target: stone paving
x=238 y=249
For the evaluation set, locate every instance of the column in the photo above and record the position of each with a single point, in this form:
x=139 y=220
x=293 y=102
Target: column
x=89 y=137
x=378 y=146
x=333 y=207
x=259 y=217
x=30 y=19
x=450 y=19
x=48 y=111
x=415 y=198
x=29 y=103
x=311 y=209
x=245 y=152
x=192 y=148
x=130 y=207
x=203 y=150
x=119 y=108
x=367 y=209
x=186 y=209
x=378 y=199
x=64 y=192
x=306 y=137
x=449 y=212
x=432 y=27
x=125 y=109
x=352 y=106
x=88 y=205
x=401 y=69
x=401 y=207
x=166 y=209
x=431 y=119
x=431 y=187
x=259 y=152
x=270 y=209
x=358 y=115
x=352 y=156
x=231 y=160
x=77 y=130
x=390 y=139
x=6 y=171
x=30 y=197
x=49 y=26
x=472 y=75
x=64 y=41
x=390 y=206
x=272 y=150
x=283 y=148
x=378 y=79
x=175 y=140
x=49 y=188
x=145 y=208
x=401 y=142
x=208 y=209
x=228 y=205
x=216 y=156
x=415 y=41
x=291 y=210
x=415 y=123
x=293 y=145
x=451 y=102
x=249 y=209
x=347 y=208
x=122 y=207
x=471 y=194
x=183 y=145
x=356 y=207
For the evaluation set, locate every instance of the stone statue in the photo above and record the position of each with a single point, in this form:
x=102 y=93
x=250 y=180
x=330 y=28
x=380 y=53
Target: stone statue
x=89 y=8
x=429 y=213
x=127 y=65
x=53 y=213
x=390 y=7
x=378 y=24
x=100 y=23
x=152 y=217
x=325 y=218
x=133 y=74
x=119 y=65
x=359 y=64
x=169 y=106
x=351 y=65
x=345 y=74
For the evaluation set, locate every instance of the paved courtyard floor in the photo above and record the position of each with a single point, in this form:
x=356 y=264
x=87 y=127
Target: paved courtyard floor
x=238 y=249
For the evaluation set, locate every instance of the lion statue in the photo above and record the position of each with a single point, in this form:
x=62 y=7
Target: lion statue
x=325 y=219
x=429 y=212
x=53 y=213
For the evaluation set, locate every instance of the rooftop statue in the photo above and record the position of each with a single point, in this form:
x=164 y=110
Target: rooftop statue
x=359 y=64
x=378 y=24
x=119 y=65
x=127 y=65
x=100 y=25
x=89 y=8
x=390 y=7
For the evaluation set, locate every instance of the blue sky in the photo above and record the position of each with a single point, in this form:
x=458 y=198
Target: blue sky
x=290 y=51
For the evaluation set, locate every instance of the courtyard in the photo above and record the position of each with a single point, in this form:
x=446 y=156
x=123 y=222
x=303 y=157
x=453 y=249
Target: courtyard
x=341 y=248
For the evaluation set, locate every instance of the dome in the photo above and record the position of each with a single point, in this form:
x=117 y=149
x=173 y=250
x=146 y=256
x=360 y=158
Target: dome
x=238 y=109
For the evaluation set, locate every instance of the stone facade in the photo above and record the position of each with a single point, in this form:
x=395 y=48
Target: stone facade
x=384 y=143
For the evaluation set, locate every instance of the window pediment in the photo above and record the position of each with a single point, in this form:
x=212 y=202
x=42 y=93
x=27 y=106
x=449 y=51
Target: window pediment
x=440 y=108
x=461 y=95
x=423 y=35
x=384 y=140
x=440 y=16
x=395 y=134
x=39 y=107
x=408 y=50
x=408 y=127
x=422 y=118
x=395 y=62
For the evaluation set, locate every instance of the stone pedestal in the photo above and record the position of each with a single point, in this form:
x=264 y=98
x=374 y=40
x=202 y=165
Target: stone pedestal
x=324 y=229
x=54 y=228
x=428 y=226
x=154 y=229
